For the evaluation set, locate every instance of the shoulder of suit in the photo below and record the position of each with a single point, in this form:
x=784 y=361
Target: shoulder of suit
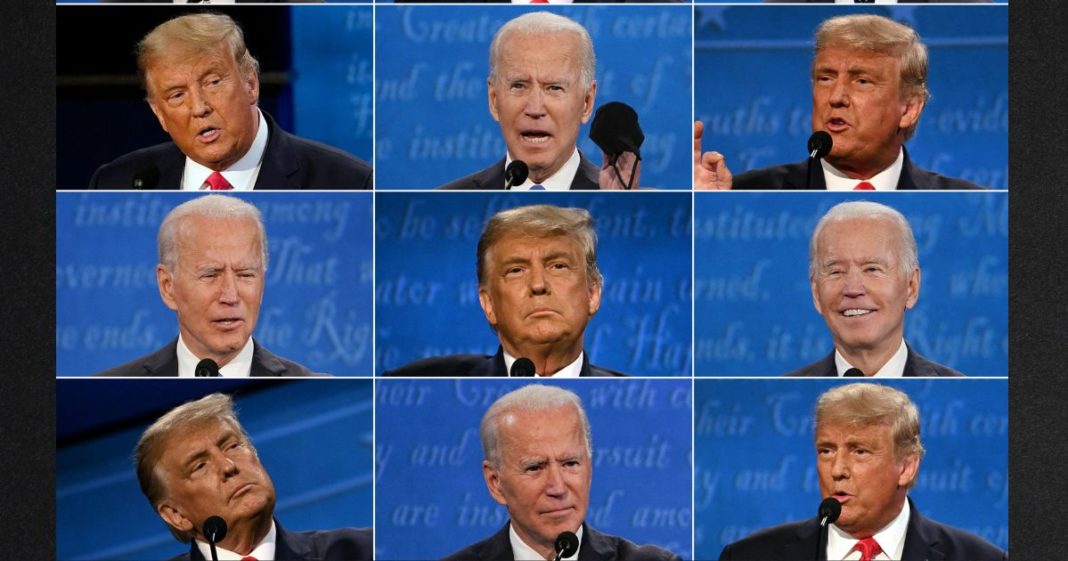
x=337 y=161
x=626 y=550
x=448 y=365
x=965 y=545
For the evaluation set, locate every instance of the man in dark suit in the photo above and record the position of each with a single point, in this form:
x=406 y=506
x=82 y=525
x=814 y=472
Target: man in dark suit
x=869 y=87
x=197 y=461
x=868 y=453
x=538 y=285
x=212 y=262
x=538 y=464
x=865 y=274
x=202 y=84
x=541 y=91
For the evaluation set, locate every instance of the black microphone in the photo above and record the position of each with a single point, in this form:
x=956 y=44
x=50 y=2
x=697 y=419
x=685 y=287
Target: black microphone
x=522 y=367
x=819 y=145
x=829 y=511
x=207 y=368
x=615 y=130
x=215 y=531
x=566 y=545
x=147 y=178
x=515 y=174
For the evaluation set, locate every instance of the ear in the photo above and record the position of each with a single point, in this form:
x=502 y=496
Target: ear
x=486 y=301
x=587 y=102
x=595 y=298
x=816 y=296
x=493 y=482
x=914 y=289
x=492 y=100
x=174 y=518
x=909 y=468
x=912 y=110
x=165 y=280
x=252 y=87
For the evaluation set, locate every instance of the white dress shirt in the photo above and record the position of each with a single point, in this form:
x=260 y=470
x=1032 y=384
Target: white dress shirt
x=891 y=540
x=885 y=180
x=239 y=367
x=523 y=552
x=559 y=181
x=264 y=551
x=894 y=368
x=242 y=175
x=570 y=371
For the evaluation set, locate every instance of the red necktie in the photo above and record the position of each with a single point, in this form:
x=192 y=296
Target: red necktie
x=249 y=558
x=217 y=182
x=539 y=1
x=868 y=548
x=864 y=186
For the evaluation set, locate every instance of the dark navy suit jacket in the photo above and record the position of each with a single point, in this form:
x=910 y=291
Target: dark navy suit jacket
x=595 y=547
x=289 y=162
x=479 y=365
x=794 y=176
x=915 y=365
x=344 y=544
x=925 y=540
x=493 y=177
x=164 y=362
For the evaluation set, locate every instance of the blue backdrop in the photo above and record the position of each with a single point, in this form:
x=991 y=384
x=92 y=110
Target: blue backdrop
x=753 y=87
x=753 y=302
x=431 y=497
x=433 y=121
x=427 y=291
x=317 y=301
x=756 y=462
x=313 y=437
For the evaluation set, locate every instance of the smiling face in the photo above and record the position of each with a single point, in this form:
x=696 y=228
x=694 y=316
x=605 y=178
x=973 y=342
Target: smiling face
x=211 y=469
x=205 y=103
x=217 y=285
x=544 y=474
x=857 y=98
x=538 y=98
x=860 y=287
x=536 y=294
x=857 y=466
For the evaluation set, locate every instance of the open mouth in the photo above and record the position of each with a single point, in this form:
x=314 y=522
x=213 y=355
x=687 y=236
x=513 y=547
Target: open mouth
x=535 y=137
x=856 y=312
x=228 y=323
x=209 y=134
x=837 y=124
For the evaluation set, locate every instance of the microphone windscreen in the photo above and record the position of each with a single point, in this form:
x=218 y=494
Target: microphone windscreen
x=830 y=509
x=820 y=142
x=566 y=544
x=615 y=129
x=522 y=367
x=206 y=368
x=147 y=178
x=215 y=529
x=516 y=173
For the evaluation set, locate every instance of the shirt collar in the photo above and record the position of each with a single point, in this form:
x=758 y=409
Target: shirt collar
x=572 y=370
x=239 y=367
x=894 y=368
x=263 y=550
x=559 y=181
x=242 y=175
x=523 y=552
x=885 y=180
x=891 y=539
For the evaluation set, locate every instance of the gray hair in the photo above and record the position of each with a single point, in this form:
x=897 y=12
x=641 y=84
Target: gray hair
x=541 y=221
x=542 y=23
x=865 y=404
x=192 y=35
x=209 y=206
x=906 y=242
x=153 y=443
x=533 y=397
x=884 y=36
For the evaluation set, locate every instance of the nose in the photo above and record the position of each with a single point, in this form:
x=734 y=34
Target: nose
x=228 y=288
x=840 y=468
x=539 y=282
x=201 y=105
x=554 y=482
x=839 y=94
x=853 y=284
x=535 y=105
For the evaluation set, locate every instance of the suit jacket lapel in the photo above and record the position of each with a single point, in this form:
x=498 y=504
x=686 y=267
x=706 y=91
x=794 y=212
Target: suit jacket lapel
x=491 y=177
x=498 y=547
x=921 y=544
x=587 y=175
x=265 y=363
x=163 y=362
x=595 y=546
x=279 y=162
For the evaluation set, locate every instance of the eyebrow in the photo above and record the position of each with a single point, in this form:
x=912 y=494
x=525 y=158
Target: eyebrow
x=226 y=435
